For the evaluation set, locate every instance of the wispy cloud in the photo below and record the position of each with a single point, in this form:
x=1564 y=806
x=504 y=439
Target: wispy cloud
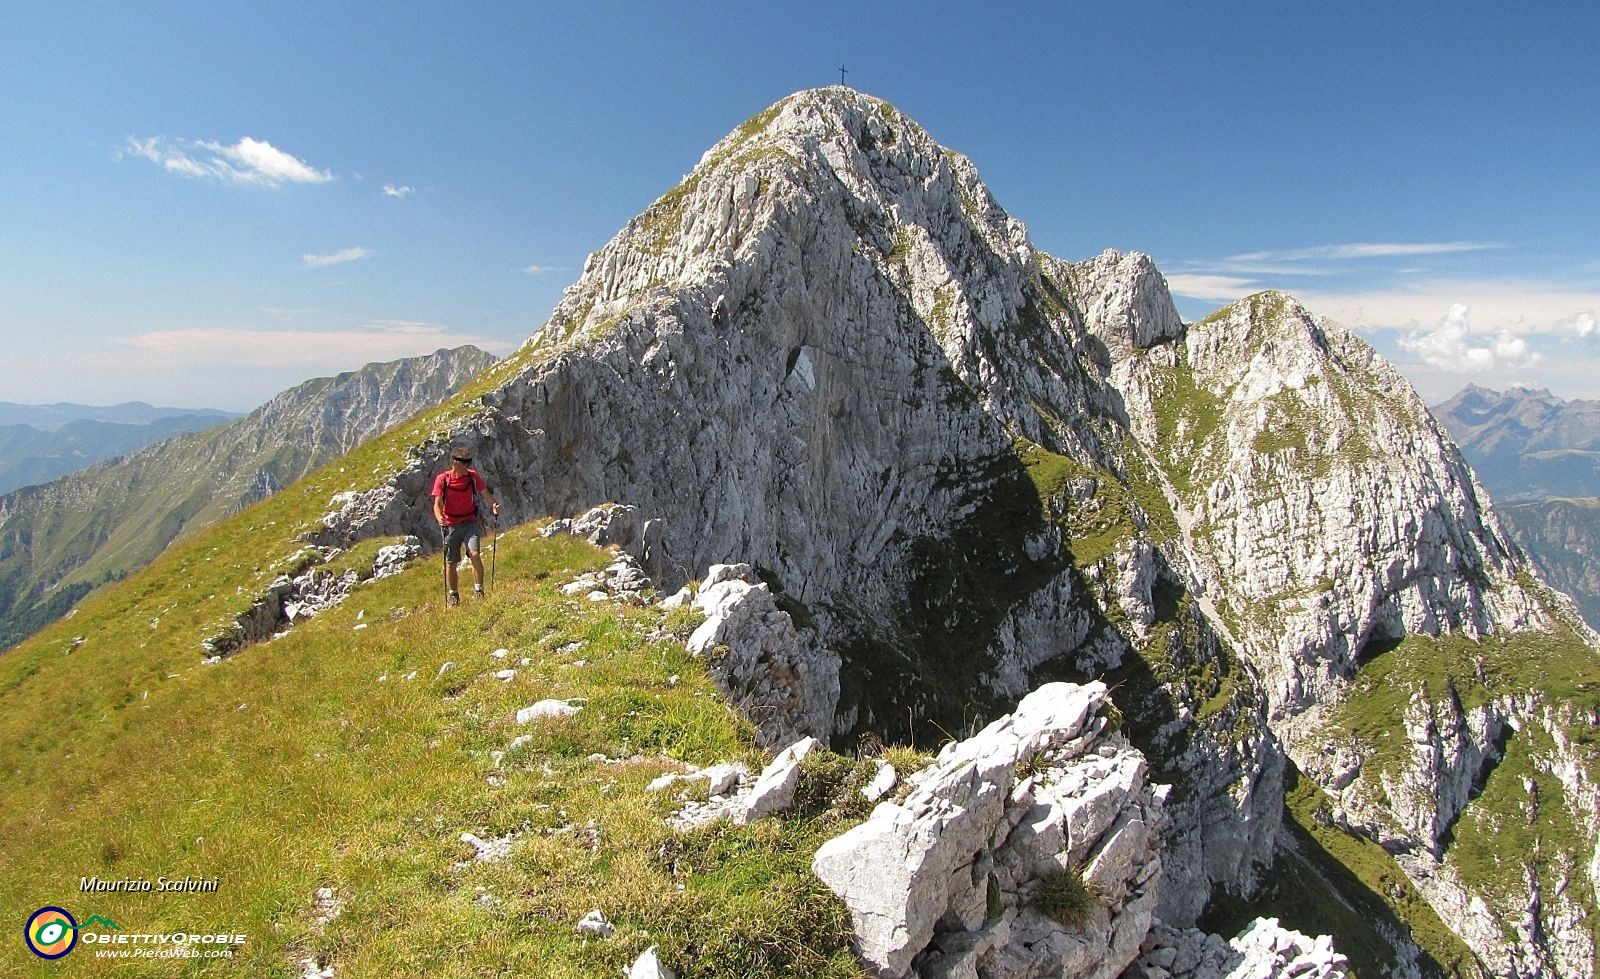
x=253 y=162
x=544 y=269
x=305 y=350
x=404 y=326
x=1214 y=288
x=1236 y=276
x=1453 y=346
x=1356 y=250
x=335 y=258
x=398 y=193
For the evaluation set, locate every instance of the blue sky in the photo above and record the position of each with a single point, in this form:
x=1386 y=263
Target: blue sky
x=203 y=203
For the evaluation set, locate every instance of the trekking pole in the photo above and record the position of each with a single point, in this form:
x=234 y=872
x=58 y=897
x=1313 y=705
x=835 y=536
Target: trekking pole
x=494 y=545
x=444 y=552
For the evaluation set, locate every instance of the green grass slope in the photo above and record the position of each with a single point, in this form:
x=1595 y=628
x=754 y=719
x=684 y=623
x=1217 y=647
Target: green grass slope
x=338 y=756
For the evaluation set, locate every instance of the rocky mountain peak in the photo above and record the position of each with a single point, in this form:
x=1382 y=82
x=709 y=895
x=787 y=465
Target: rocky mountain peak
x=829 y=181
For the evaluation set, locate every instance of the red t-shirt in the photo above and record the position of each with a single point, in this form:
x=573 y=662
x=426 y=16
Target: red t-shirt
x=459 y=505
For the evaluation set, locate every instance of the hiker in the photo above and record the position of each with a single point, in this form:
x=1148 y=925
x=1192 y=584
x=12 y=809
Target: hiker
x=455 y=506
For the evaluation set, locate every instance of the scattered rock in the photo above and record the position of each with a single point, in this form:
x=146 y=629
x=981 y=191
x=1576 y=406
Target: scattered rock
x=327 y=906
x=547 y=708
x=594 y=923
x=664 y=782
x=732 y=794
x=648 y=966
x=724 y=778
x=774 y=790
x=310 y=970
x=883 y=782
x=489 y=851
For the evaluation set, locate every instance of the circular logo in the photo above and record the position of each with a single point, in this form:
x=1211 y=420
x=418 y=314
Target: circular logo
x=51 y=933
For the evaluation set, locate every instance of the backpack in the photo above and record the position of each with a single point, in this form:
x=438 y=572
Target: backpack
x=449 y=492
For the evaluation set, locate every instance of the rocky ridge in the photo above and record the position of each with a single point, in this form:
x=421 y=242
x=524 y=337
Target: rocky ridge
x=964 y=468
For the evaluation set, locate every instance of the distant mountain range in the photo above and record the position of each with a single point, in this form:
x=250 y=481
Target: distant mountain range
x=53 y=416
x=1539 y=457
x=32 y=454
x=60 y=540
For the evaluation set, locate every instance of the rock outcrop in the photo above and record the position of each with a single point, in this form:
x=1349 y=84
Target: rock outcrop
x=1027 y=850
x=304 y=590
x=776 y=674
x=1265 y=950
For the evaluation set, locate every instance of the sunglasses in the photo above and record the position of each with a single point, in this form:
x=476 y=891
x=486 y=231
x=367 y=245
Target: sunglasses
x=460 y=458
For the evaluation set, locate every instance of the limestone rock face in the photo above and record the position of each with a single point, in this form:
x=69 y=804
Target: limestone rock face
x=1347 y=551
x=961 y=468
x=1128 y=302
x=1285 y=437
x=956 y=878
x=785 y=682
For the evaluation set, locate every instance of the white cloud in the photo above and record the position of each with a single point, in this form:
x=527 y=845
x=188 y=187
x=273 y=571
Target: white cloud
x=1363 y=250
x=1582 y=325
x=1517 y=306
x=253 y=162
x=398 y=193
x=335 y=258
x=1452 y=346
x=543 y=269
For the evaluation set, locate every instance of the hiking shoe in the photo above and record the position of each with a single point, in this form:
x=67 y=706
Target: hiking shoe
x=477 y=590
x=454 y=598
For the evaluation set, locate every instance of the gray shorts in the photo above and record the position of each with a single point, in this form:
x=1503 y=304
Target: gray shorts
x=457 y=534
